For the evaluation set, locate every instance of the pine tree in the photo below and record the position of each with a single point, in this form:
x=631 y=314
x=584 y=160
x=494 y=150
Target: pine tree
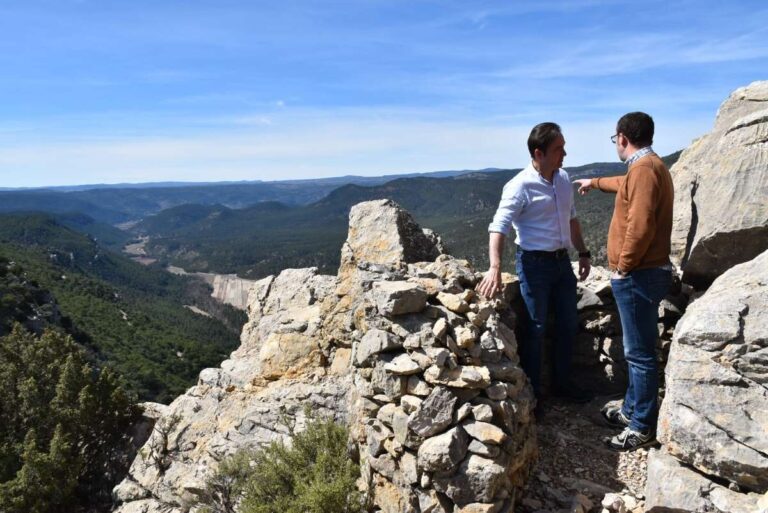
x=63 y=425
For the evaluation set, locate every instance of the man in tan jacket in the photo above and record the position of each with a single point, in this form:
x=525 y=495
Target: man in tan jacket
x=638 y=255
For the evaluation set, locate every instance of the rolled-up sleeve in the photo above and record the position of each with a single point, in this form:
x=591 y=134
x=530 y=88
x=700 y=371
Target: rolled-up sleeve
x=510 y=207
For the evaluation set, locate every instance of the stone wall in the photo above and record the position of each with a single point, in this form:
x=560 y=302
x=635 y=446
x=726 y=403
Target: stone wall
x=445 y=410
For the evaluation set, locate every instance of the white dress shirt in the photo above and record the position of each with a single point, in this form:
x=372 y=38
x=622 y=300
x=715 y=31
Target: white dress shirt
x=539 y=211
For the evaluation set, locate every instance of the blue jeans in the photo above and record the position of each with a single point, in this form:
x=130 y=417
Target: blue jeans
x=637 y=298
x=547 y=280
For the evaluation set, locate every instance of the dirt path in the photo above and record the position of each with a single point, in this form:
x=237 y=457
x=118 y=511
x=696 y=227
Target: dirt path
x=575 y=468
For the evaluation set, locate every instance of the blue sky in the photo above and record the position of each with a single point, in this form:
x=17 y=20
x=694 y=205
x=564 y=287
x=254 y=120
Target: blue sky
x=134 y=91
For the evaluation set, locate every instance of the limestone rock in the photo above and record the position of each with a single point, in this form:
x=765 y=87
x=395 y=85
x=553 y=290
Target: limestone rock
x=479 y=479
x=435 y=414
x=398 y=297
x=453 y=302
x=715 y=413
x=671 y=487
x=442 y=453
x=375 y=341
x=380 y=232
x=484 y=432
x=482 y=507
x=402 y=365
x=721 y=182
x=233 y=290
x=460 y=377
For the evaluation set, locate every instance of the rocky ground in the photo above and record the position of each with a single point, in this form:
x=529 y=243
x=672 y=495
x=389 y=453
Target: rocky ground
x=576 y=470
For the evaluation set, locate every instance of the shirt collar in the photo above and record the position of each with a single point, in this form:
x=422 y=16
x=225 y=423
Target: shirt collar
x=642 y=152
x=533 y=171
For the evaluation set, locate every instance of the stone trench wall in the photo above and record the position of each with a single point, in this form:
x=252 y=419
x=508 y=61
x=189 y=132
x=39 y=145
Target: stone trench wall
x=598 y=353
x=445 y=410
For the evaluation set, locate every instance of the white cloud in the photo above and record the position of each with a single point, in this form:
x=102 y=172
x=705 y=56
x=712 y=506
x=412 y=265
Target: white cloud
x=312 y=144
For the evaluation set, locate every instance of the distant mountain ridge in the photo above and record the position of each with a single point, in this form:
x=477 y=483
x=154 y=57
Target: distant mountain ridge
x=257 y=241
x=121 y=203
x=154 y=185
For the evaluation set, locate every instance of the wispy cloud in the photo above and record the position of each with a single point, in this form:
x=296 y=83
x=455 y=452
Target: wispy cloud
x=114 y=91
x=307 y=145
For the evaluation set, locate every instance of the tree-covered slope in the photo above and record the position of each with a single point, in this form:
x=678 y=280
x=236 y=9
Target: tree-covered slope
x=264 y=239
x=128 y=315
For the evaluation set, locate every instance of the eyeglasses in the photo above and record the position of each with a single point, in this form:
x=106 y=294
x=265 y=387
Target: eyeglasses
x=614 y=137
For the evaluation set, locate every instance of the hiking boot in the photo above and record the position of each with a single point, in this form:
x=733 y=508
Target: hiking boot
x=573 y=393
x=614 y=417
x=629 y=440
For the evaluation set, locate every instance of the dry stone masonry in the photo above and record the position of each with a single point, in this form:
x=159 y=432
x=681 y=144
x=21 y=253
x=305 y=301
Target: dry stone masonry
x=443 y=408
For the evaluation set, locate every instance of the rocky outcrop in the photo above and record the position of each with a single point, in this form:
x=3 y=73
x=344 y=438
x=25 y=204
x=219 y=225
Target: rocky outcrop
x=246 y=402
x=397 y=346
x=232 y=290
x=714 y=417
x=672 y=487
x=721 y=186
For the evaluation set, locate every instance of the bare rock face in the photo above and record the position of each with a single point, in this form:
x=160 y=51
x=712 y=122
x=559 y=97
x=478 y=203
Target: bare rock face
x=278 y=371
x=232 y=290
x=402 y=242
x=714 y=417
x=675 y=488
x=376 y=349
x=721 y=186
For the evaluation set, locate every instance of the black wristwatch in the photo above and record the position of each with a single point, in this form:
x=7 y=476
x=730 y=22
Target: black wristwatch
x=585 y=254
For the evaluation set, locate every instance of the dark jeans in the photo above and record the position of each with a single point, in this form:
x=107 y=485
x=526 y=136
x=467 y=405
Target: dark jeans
x=547 y=280
x=637 y=298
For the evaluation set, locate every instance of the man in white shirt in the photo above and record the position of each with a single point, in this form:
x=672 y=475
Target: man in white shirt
x=538 y=203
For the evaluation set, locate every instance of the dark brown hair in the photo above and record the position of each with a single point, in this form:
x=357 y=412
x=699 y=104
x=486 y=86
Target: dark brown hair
x=637 y=127
x=542 y=136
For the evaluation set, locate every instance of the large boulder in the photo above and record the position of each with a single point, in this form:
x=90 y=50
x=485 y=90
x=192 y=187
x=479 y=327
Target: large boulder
x=721 y=186
x=715 y=413
x=674 y=488
x=382 y=233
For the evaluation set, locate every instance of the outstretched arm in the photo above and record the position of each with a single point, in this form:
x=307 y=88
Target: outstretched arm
x=605 y=184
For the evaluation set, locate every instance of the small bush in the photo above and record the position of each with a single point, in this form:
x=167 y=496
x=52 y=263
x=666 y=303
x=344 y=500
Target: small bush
x=313 y=475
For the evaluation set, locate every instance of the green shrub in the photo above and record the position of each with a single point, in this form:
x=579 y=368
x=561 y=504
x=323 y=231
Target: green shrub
x=312 y=475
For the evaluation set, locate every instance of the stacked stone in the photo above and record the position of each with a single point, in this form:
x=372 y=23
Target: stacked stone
x=599 y=362
x=598 y=354
x=445 y=407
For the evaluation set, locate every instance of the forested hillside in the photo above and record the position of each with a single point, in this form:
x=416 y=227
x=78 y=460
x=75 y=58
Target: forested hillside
x=263 y=239
x=130 y=316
